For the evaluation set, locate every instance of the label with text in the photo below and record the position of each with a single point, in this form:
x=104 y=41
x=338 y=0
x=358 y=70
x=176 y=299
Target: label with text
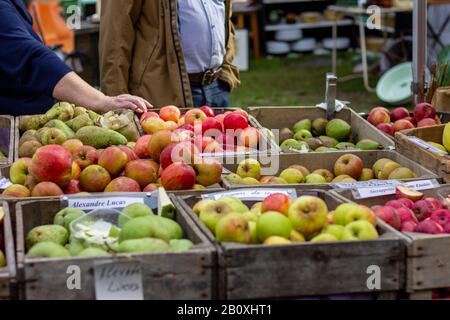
x=365 y=184
x=257 y=194
x=425 y=145
x=102 y=203
x=363 y=193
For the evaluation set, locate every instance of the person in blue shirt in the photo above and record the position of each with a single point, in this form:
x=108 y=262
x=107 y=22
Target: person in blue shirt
x=32 y=76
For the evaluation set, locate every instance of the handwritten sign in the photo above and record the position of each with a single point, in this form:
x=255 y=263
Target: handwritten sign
x=118 y=281
x=4 y=183
x=366 y=184
x=104 y=203
x=425 y=145
x=256 y=194
x=363 y=193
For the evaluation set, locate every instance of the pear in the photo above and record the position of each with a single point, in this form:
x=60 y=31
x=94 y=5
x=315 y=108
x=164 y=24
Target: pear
x=66 y=216
x=302 y=124
x=46 y=233
x=402 y=173
x=338 y=129
x=233 y=178
x=78 y=111
x=79 y=122
x=166 y=229
x=58 y=124
x=294 y=145
x=32 y=122
x=328 y=142
x=313 y=143
x=286 y=134
x=319 y=126
x=144 y=245
x=48 y=249
x=367 y=144
x=180 y=245
x=137 y=228
x=93 y=252
x=134 y=210
x=75 y=246
x=388 y=167
x=62 y=111
x=345 y=146
x=100 y=137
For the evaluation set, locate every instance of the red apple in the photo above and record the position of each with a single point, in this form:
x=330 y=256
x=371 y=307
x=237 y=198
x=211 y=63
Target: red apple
x=234 y=121
x=152 y=125
x=46 y=189
x=147 y=115
x=426 y=122
x=85 y=156
x=185 y=126
x=141 y=147
x=249 y=137
x=424 y=110
x=434 y=202
x=422 y=209
x=276 y=202
x=130 y=153
x=178 y=152
x=208 y=111
x=73 y=187
x=170 y=113
x=193 y=116
x=441 y=216
x=178 y=176
x=388 y=215
x=202 y=142
x=429 y=226
x=348 y=164
x=52 y=163
x=406 y=214
x=220 y=117
x=241 y=112
x=16 y=191
x=150 y=188
x=72 y=145
x=123 y=184
x=408 y=193
x=408 y=226
x=402 y=124
x=158 y=142
x=411 y=119
x=212 y=126
x=395 y=204
x=143 y=172
x=387 y=128
x=113 y=159
x=406 y=202
x=76 y=171
x=399 y=113
x=208 y=171
x=377 y=116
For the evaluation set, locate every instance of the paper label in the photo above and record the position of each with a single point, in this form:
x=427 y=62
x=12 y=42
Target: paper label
x=256 y=194
x=363 y=193
x=425 y=145
x=365 y=184
x=225 y=171
x=102 y=203
x=4 y=183
x=118 y=281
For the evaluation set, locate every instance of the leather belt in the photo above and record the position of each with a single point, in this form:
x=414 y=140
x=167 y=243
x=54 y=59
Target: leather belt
x=205 y=78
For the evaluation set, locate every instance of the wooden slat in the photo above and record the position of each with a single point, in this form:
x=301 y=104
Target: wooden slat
x=8 y=273
x=7 y=126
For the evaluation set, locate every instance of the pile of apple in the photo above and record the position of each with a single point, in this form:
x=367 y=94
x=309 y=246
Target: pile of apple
x=411 y=212
x=347 y=168
x=424 y=115
x=227 y=132
x=2 y=240
x=321 y=135
x=279 y=220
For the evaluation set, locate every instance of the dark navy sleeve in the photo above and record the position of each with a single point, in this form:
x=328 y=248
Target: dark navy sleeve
x=24 y=58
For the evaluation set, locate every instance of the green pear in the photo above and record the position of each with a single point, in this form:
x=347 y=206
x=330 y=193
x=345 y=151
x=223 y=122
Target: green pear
x=48 y=249
x=345 y=146
x=367 y=144
x=79 y=122
x=65 y=217
x=144 y=245
x=328 y=142
x=314 y=143
x=137 y=228
x=302 y=124
x=62 y=111
x=294 y=145
x=75 y=246
x=134 y=210
x=166 y=229
x=286 y=134
x=338 y=129
x=302 y=135
x=180 y=245
x=58 y=124
x=78 y=111
x=319 y=126
x=93 y=252
x=32 y=122
x=53 y=233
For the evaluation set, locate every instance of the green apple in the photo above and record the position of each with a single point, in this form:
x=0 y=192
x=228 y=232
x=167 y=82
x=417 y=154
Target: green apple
x=305 y=124
x=294 y=145
x=292 y=175
x=359 y=230
x=324 y=237
x=308 y=214
x=315 y=178
x=302 y=135
x=252 y=215
x=296 y=236
x=253 y=234
x=335 y=230
x=272 y=223
x=249 y=168
x=233 y=178
x=233 y=228
x=212 y=212
x=200 y=205
x=250 y=181
x=349 y=212
x=235 y=203
x=276 y=240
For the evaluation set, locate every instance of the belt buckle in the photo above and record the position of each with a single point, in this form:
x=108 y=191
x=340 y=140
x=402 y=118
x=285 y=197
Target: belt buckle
x=209 y=76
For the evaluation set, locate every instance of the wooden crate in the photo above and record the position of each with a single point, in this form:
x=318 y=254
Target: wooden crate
x=325 y=160
x=307 y=269
x=286 y=117
x=8 y=273
x=427 y=256
x=171 y=276
x=7 y=126
x=436 y=163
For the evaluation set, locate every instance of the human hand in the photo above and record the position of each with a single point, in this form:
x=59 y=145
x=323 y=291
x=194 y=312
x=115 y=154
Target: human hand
x=125 y=101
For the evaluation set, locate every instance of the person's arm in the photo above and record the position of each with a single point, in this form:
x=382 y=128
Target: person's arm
x=116 y=43
x=75 y=90
x=230 y=73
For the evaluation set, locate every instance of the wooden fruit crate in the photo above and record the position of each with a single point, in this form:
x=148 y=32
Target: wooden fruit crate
x=165 y=276
x=8 y=273
x=307 y=269
x=438 y=164
x=286 y=117
x=326 y=160
x=7 y=138
x=427 y=256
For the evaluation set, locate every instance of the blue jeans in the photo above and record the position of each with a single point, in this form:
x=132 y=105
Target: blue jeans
x=215 y=95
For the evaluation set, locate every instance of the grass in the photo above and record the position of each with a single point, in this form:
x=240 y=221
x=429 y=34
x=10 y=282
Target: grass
x=299 y=81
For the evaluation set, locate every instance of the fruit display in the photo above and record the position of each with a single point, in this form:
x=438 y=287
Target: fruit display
x=321 y=135
x=2 y=240
x=211 y=133
x=389 y=122
x=347 y=168
x=75 y=233
x=411 y=211
x=65 y=122
x=279 y=220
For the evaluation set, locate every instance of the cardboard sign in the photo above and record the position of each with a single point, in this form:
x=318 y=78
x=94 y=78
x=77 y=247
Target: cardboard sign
x=93 y=203
x=421 y=143
x=256 y=194
x=363 y=193
x=118 y=281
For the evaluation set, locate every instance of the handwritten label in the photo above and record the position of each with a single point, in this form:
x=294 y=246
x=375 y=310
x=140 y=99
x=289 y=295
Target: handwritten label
x=257 y=194
x=4 y=183
x=363 y=193
x=425 y=145
x=104 y=203
x=118 y=281
x=366 y=184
